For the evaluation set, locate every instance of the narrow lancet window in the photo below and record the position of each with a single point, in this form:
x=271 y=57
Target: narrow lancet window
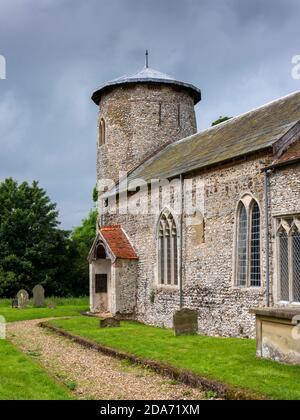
x=167 y=250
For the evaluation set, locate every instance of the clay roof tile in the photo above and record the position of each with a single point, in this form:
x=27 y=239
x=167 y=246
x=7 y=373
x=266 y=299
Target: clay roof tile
x=118 y=242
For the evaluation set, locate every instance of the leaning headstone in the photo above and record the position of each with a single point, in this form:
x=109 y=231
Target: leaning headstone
x=2 y=328
x=185 y=322
x=39 y=296
x=14 y=303
x=23 y=298
x=110 y=323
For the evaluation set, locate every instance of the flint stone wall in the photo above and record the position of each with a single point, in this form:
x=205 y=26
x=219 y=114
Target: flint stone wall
x=139 y=120
x=208 y=283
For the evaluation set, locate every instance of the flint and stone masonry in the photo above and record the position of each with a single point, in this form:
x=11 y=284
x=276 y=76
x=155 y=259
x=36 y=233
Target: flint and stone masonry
x=150 y=131
x=139 y=120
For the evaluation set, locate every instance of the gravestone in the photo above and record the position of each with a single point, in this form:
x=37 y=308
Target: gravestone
x=185 y=322
x=14 y=303
x=22 y=297
x=2 y=328
x=110 y=323
x=39 y=296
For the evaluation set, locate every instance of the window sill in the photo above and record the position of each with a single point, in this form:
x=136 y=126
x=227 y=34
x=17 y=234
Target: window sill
x=249 y=289
x=290 y=304
x=167 y=288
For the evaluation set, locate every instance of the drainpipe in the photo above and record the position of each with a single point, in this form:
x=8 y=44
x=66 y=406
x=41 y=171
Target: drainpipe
x=267 y=194
x=181 y=241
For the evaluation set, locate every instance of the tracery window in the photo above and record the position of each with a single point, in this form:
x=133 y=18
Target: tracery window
x=168 y=250
x=248 y=246
x=288 y=246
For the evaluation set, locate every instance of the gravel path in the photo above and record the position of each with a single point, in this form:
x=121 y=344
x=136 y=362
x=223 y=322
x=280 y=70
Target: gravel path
x=92 y=375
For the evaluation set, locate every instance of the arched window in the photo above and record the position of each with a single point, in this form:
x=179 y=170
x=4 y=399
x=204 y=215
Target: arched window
x=242 y=246
x=288 y=245
x=100 y=252
x=167 y=250
x=248 y=263
x=296 y=265
x=255 y=246
x=102 y=132
x=284 y=265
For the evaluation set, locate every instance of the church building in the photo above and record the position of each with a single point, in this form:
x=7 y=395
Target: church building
x=208 y=221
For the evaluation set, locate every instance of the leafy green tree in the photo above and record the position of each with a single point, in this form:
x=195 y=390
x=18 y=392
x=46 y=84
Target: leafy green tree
x=32 y=248
x=220 y=120
x=95 y=195
x=81 y=241
x=80 y=244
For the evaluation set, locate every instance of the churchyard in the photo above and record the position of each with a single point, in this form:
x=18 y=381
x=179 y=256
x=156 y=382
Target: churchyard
x=22 y=378
x=54 y=307
x=38 y=363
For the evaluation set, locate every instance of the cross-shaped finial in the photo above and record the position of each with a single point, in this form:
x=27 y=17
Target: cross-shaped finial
x=147 y=59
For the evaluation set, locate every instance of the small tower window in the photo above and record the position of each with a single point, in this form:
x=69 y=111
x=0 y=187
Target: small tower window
x=102 y=132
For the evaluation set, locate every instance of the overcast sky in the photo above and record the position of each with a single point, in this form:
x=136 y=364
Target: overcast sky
x=58 y=51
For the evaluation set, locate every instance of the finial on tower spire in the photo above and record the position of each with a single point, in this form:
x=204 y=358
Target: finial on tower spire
x=147 y=59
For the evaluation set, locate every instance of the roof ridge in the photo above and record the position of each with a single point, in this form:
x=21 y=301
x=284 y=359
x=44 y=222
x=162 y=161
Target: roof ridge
x=258 y=129
x=237 y=117
x=110 y=227
x=214 y=128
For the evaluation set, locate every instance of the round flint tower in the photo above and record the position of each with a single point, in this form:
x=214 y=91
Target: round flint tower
x=139 y=115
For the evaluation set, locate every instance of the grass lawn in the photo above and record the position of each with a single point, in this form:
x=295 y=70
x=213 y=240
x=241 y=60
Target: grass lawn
x=64 y=307
x=22 y=379
x=230 y=361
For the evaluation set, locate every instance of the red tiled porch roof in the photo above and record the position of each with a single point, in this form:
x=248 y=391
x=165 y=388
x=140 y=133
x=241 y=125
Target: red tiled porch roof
x=290 y=156
x=118 y=242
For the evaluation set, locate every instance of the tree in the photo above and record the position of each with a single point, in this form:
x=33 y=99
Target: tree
x=32 y=248
x=95 y=194
x=220 y=120
x=81 y=241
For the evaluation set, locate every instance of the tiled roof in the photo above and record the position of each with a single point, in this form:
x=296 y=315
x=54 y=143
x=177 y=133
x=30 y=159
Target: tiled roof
x=291 y=155
x=118 y=242
x=241 y=136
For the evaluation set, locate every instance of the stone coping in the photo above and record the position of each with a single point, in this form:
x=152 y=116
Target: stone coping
x=279 y=313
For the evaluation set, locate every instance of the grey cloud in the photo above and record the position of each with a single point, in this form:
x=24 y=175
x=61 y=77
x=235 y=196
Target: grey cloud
x=58 y=51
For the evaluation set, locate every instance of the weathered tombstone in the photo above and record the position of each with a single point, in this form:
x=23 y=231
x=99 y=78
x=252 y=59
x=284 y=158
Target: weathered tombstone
x=22 y=297
x=185 y=322
x=110 y=323
x=2 y=328
x=14 y=303
x=39 y=296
